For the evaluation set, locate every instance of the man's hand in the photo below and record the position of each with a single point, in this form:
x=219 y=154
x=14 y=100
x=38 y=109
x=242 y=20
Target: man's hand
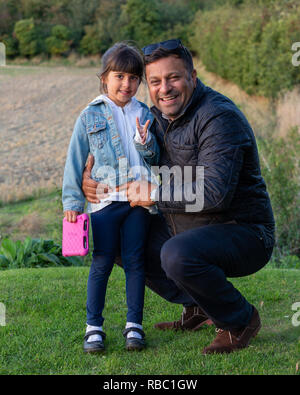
x=138 y=192
x=93 y=190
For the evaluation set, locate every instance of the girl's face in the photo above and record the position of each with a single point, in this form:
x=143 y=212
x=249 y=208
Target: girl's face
x=121 y=86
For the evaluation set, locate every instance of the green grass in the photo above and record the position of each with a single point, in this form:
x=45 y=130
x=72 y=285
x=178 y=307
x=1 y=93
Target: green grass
x=45 y=322
x=36 y=216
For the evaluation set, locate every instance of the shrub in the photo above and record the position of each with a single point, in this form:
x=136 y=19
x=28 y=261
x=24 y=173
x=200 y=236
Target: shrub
x=249 y=45
x=141 y=20
x=96 y=39
x=11 y=46
x=59 y=41
x=281 y=170
x=26 y=35
x=33 y=253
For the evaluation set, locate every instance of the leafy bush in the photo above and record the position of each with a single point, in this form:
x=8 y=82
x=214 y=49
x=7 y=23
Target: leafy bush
x=11 y=46
x=250 y=46
x=280 y=165
x=141 y=21
x=33 y=253
x=96 y=39
x=59 y=41
x=26 y=34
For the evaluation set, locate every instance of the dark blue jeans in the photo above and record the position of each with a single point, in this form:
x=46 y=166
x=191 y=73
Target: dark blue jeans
x=118 y=227
x=192 y=267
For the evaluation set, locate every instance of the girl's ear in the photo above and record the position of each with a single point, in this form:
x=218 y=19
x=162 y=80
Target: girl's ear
x=103 y=83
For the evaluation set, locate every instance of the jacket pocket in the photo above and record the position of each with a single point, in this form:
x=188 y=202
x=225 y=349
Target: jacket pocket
x=97 y=134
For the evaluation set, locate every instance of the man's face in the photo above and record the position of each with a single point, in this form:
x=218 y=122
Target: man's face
x=170 y=85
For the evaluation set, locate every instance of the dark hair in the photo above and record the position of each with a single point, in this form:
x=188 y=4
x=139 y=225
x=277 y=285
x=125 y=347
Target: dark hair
x=180 y=52
x=121 y=57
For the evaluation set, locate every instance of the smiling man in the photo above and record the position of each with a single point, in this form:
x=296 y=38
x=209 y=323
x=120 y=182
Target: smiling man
x=190 y=255
x=171 y=85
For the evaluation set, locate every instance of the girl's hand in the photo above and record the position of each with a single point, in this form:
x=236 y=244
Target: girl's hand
x=71 y=215
x=142 y=131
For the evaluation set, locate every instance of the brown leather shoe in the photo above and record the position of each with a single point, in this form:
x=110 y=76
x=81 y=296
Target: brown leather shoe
x=227 y=341
x=192 y=319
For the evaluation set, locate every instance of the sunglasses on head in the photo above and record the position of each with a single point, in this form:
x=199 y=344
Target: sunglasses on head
x=169 y=44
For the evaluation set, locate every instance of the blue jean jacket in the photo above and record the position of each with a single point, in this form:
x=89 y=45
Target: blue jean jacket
x=95 y=132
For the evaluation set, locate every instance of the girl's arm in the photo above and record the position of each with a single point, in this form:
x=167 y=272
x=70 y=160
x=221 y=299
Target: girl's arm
x=147 y=145
x=72 y=195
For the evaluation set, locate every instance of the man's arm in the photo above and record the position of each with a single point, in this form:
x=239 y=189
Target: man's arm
x=93 y=190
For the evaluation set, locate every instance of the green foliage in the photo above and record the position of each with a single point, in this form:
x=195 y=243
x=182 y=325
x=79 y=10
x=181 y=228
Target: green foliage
x=250 y=46
x=281 y=170
x=59 y=41
x=33 y=253
x=11 y=46
x=97 y=24
x=25 y=32
x=96 y=39
x=141 y=21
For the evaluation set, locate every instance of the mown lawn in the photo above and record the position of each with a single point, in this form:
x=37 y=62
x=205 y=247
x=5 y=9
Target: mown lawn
x=45 y=322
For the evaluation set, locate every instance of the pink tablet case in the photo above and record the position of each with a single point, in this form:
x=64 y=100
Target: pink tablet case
x=76 y=236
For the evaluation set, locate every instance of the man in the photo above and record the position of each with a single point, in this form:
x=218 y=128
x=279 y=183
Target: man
x=228 y=231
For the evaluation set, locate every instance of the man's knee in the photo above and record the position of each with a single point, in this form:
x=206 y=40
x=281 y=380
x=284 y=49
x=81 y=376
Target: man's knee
x=172 y=259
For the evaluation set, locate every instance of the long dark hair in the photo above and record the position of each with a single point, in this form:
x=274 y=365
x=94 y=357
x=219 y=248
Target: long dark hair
x=121 y=57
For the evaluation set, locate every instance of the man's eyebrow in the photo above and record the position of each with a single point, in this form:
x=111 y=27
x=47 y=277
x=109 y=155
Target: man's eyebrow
x=172 y=73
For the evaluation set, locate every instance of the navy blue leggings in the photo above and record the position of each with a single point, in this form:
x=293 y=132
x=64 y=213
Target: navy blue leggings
x=118 y=226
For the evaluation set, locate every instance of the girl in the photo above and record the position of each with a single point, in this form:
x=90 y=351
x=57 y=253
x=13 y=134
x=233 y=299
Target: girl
x=110 y=129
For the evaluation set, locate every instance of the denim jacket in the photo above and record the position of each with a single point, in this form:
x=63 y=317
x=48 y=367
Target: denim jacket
x=95 y=132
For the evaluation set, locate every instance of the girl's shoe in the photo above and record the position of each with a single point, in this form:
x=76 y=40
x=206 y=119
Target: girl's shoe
x=134 y=343
x=95 y=346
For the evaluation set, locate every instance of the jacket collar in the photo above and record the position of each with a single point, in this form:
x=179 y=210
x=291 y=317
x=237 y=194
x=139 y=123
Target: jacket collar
x=104 y=99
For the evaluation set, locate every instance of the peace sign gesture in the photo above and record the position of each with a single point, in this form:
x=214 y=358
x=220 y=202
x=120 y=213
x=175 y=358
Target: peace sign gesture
x=143 y=131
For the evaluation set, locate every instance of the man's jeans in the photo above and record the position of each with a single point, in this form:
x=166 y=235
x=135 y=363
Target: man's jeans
x=118 y=226
x=191 y=268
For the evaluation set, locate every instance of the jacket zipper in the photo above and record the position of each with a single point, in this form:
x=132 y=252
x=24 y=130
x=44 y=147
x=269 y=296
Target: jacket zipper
x=173 y=224
x=170 y=215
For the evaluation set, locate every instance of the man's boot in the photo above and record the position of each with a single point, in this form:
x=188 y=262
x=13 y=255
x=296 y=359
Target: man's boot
x=227 y=341
x=192 y=319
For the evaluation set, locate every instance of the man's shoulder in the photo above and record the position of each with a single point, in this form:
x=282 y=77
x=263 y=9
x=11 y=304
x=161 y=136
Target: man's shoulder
x=214 y=102
x=214 y=105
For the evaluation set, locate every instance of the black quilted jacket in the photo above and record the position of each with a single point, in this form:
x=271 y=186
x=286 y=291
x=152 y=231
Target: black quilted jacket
x=212 y=133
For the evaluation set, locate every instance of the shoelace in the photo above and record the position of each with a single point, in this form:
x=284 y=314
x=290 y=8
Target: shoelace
x=220 y=331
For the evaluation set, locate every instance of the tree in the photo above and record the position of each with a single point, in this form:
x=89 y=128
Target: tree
x=142 y=21
x=58 y=43
x=25 y=33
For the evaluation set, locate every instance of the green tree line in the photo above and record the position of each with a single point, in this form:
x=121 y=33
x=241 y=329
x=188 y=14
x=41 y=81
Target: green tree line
x=250 y=43
x=246 y=41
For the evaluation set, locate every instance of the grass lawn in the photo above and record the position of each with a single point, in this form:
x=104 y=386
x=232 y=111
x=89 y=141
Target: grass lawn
x=45 y=322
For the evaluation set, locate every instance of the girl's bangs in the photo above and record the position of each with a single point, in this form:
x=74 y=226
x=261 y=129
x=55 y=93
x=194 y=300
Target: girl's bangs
x=127 y=63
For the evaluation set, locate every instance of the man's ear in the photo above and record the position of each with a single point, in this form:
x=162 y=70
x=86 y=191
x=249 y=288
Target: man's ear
x=194 y=77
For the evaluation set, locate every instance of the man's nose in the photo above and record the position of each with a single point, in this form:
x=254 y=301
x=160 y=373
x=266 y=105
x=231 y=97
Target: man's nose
x=165 y=87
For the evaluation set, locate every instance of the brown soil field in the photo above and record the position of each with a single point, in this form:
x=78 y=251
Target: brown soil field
x=38 y=109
